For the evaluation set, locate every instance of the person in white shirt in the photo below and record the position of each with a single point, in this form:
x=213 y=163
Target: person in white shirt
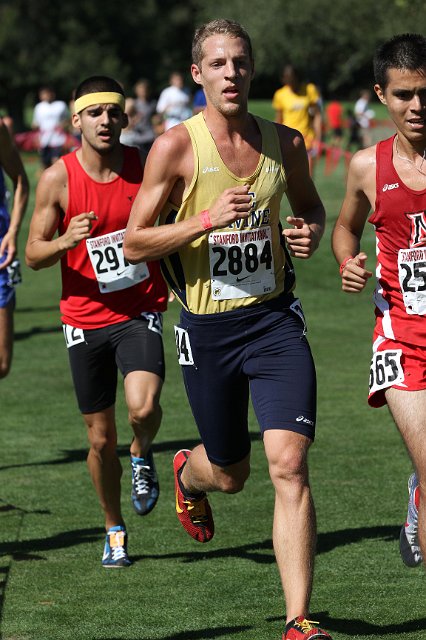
x=50 y=119
x=174 y=103
x=364 y=115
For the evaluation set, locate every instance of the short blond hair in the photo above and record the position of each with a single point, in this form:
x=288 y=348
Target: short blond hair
x=218 y=27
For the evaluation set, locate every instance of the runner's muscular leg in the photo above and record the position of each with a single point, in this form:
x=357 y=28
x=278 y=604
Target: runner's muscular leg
x=104 y=464
x=142 y=390
x=294 y=528
x=199 y=474
x=6 y=339
x=408 y=409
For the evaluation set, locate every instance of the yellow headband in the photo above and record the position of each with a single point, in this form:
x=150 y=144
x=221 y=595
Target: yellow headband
x=102 y=97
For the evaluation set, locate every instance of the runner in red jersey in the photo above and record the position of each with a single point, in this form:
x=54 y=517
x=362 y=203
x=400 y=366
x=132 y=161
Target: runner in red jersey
x=390 y=178
x=111 y=310
x=108 y=291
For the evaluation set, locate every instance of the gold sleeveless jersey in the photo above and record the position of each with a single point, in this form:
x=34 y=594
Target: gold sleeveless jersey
x=247 y=262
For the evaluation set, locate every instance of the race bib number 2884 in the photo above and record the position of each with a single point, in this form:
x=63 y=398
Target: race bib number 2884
x=241 y=263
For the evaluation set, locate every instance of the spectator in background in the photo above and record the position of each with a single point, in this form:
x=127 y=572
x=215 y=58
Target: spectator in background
x=199 y=101
x=297 y=105
x=50 y=118
x=140 y=111
x=364 y=115
x=334 y=113
x=129 y=135
x=354 y=138
x=146 y=108
x=11 y=164
x=174 y=102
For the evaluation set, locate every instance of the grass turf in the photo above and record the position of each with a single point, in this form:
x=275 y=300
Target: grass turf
x=52 y=585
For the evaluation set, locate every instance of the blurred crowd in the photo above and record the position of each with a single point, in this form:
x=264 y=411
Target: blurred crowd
x=52 y=133
x=298 y=104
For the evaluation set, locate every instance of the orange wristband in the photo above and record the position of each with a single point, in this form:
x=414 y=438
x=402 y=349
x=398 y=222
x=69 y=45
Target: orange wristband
x=344 y=263
x=205 y=220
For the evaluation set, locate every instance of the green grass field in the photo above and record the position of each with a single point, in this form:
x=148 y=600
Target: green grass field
x=52 y=585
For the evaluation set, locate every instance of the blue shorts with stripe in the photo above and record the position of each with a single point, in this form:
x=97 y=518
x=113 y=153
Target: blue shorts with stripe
x=259 y=351
x=7 y=290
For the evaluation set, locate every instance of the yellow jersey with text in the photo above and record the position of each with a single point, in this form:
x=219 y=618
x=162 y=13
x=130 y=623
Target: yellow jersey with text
x=247 y=262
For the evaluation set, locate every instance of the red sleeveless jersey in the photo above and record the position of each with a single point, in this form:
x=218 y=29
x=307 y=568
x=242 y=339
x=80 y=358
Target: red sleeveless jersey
x=400 y=223
x=99 y=287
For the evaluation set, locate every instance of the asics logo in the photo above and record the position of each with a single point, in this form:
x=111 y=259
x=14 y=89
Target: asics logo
x=389 y=187
x=178 y=509
x=305 y=420
x=210 y=169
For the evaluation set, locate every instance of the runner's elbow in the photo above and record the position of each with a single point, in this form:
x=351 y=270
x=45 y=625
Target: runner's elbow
x=133 y=248
x=30 y=262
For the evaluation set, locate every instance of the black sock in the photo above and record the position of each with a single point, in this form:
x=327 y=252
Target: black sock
x=186 y=493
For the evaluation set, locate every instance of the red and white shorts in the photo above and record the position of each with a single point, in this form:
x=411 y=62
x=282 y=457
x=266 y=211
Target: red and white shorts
x=397 y=365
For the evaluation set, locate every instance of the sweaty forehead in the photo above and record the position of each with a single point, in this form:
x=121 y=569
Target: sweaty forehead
x=223 y=44
x=407 y=77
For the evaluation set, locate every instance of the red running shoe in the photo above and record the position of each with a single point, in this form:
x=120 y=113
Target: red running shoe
x=194 y=513
x=302 y=629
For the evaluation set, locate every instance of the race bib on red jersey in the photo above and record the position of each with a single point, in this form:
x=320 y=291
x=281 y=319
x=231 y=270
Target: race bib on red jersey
x=412 y=279
x=112 y=270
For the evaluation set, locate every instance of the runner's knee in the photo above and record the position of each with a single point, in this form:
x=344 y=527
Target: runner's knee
x=148 y=411
x=101 y=441
x=289 y=465
x=232 y=481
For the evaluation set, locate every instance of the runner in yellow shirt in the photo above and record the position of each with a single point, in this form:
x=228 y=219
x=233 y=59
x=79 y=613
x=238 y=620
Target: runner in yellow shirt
x=297 y=105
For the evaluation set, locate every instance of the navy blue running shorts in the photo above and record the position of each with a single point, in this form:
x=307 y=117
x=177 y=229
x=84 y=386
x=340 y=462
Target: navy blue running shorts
x=95 y=356
x=259 y=351
x=7 y=289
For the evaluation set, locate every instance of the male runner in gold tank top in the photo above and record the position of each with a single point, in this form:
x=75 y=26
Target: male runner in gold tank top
x=215 y=183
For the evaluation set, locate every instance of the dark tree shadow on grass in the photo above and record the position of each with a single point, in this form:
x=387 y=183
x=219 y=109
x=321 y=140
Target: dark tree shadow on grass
x=69 y=456
x=41 y=309
x=259 y=552
x=357 y=627
x=262 y=552
x=34 y=331
x=33 y=548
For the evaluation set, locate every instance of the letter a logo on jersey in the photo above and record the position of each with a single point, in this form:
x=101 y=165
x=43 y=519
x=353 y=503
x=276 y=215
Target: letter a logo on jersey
x=418 y=228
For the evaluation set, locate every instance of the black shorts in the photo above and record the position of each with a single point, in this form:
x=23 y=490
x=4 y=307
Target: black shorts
x=261 y=351
x=96 y=354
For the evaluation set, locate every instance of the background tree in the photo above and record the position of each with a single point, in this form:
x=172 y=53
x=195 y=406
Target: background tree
x=332 y=42
x=63 y=42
